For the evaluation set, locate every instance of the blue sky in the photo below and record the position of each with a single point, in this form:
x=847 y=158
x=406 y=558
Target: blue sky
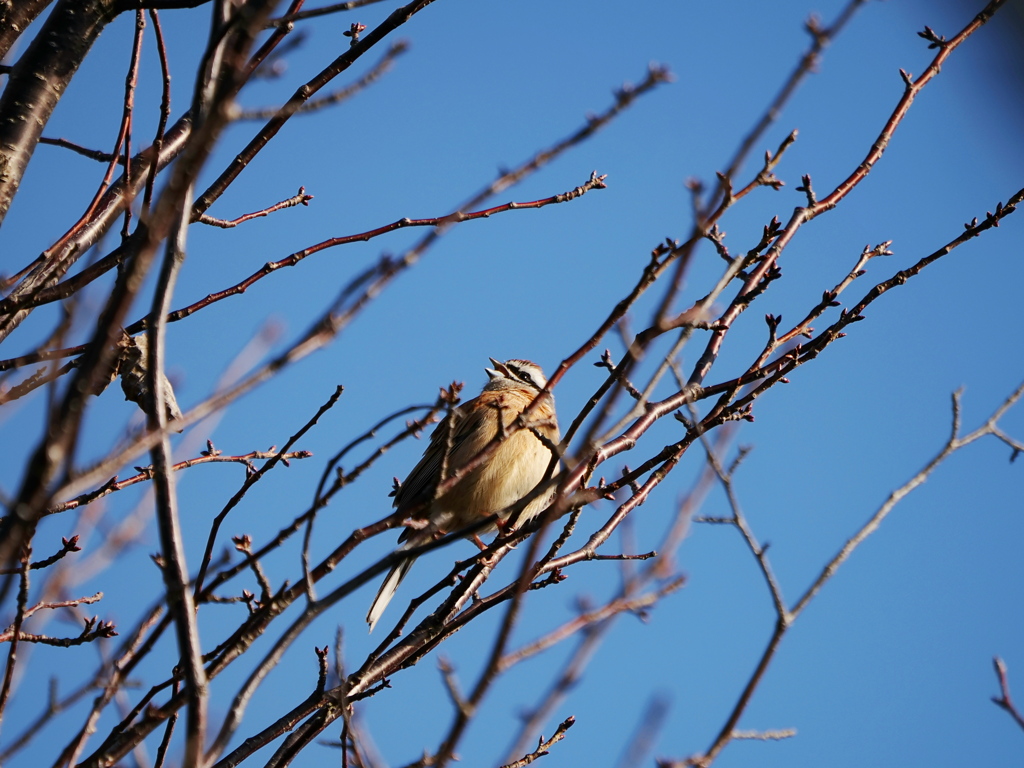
x=892 y=662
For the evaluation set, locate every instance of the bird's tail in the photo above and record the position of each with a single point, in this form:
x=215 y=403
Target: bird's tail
x=389 y=587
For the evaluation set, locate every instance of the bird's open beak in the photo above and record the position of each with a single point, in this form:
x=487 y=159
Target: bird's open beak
x=498 y=371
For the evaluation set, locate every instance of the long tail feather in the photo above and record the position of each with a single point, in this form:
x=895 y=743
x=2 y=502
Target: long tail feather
x=387 y=589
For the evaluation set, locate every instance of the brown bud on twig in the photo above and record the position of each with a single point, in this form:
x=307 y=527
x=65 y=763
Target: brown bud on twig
x=451 y=394
x=934 y=40
x=354 y=31
x=807 y=189
x=882 y=249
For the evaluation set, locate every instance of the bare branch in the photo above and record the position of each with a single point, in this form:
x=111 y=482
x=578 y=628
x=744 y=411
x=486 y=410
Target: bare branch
x=1003 y=700
x=146 y=473
x=544 y=746
x=93 y=630
x=313 y=13
x=300 y=198
x=342 y=94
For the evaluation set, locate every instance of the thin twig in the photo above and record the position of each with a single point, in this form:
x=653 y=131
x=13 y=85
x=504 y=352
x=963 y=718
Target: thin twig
x=783 y=622
x=1003 y=700
x=146 y=473
x=300 y=198
x=289 y=18
x=595 y=182
x=342 y=94
x=544 y=745
x=254 y=477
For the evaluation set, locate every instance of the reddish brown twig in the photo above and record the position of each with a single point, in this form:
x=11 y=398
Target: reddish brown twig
x=270 y=45
x=786 y=618
x=108 y=679
x=92 y=154
x=253 y=477
x=753 y=285
x=94 y=630
x=53 y=605
x=342 y=94
x=739 y=521
x=300 y=198
x=339 y=65
x=19 y=619
x=292 y=16
x=587 y=619
x=130 y=81
x=123 y=141
x=595 y=182
x=806 y=64
x=165 y=108
x=67 y=546
x=54 y=706
x=803 y=215
x=543 y=746
x=624 y=98
x=146 y=473
x=1003 y=700
x=775 y=371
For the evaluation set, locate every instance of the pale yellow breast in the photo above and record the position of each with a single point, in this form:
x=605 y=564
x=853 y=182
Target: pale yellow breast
x=516 y=467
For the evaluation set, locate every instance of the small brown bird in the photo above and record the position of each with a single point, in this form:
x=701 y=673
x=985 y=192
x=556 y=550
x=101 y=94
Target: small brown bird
x=511 y=472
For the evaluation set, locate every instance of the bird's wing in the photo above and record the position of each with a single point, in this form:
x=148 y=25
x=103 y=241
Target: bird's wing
x=419 y=487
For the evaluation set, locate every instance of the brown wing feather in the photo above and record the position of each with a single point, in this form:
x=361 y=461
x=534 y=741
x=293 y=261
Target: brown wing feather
x=418 y=489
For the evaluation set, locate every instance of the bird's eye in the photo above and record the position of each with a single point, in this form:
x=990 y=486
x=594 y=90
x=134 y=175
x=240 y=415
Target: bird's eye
x=520 y=374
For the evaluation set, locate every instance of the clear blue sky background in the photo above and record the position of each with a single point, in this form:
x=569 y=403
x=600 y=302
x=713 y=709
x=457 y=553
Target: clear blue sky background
x=891 y=665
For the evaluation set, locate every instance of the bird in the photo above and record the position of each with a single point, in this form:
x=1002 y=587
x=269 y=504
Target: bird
x=515 y=468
